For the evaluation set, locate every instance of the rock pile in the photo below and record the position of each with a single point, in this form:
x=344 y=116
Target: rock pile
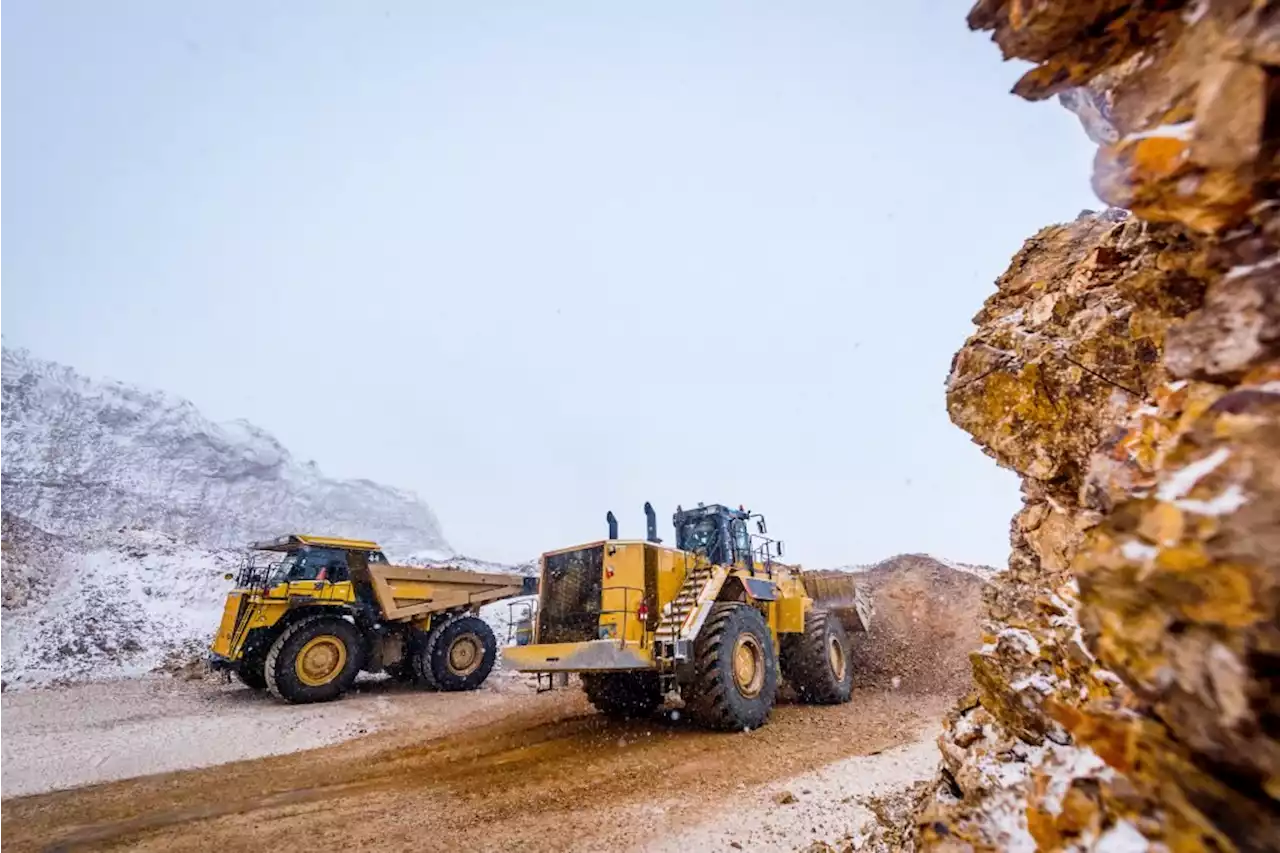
x=1128 y=368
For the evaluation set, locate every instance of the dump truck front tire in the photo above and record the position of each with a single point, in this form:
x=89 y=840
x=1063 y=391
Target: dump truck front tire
x=817 y=662
x=457 y=655
x=623 y=695
x=251 y=672
x=735 y=670
x=315 y=659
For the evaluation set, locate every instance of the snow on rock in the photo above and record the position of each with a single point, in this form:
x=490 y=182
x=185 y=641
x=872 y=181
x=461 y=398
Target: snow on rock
x=83 y=456
x=984 y=572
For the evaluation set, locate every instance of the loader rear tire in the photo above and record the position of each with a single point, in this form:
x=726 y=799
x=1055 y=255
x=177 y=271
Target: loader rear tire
x=315 y=659
x=622 y=695
x=817 y=662
x=735 y=679
x=457 y=655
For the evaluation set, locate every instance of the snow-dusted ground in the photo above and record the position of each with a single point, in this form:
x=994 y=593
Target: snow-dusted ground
x=822 y=805
x=87 y=733
x=81 y=734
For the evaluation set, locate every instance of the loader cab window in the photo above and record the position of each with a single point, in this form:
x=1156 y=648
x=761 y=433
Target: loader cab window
x=741 y=540
x=702 y=535
x=378 y=557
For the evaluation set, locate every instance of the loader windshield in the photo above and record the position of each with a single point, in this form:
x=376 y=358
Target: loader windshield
x=703 y=535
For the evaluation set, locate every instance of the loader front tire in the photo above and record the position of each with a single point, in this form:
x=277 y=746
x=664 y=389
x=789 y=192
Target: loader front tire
x=457 y=655
x=315 y=659
x=622 y=695
x=735 y=679
x=817 y=662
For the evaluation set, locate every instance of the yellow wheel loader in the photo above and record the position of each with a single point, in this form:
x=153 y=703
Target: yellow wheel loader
x=309 y=613
x=714 y=621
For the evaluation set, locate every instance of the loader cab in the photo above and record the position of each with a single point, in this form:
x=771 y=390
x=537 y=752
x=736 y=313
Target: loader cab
x=717 y=532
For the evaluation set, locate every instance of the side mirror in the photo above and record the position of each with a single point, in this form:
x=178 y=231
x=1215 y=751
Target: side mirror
x=228 y=576
x=779 y=544
x=760 y=525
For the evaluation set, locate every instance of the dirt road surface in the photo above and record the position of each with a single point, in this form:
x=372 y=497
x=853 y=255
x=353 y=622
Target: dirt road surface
x=502 y=768
x=523 y=772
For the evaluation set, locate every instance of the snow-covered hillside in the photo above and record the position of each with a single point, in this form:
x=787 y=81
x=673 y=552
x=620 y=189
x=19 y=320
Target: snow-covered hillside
x=82 y=456
x=125 y=603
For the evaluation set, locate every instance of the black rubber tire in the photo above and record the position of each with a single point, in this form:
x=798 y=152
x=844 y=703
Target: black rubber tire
x=251 y=672
x=431 y=659
x=622 y=695
x=808 y=666
x=401 y=673
x=281 y=671
x=714 y=698
x=419 y=655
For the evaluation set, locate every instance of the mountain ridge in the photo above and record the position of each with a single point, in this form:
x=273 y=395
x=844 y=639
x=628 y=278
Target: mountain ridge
x=84 y=456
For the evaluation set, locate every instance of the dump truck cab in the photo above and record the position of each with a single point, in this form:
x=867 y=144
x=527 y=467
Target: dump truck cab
x=711 y=620
x=308 y=613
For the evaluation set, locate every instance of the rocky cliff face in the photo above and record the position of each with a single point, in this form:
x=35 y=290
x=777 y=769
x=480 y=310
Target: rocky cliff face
x=82 y=456
x=1128 y=368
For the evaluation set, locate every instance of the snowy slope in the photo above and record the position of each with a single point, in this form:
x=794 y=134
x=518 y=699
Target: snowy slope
x=82 y=456
x=124 y=604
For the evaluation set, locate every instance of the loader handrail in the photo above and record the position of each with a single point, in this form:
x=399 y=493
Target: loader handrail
x=624 y=610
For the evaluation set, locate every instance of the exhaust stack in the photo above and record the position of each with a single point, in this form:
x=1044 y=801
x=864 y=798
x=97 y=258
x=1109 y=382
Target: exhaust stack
x=613 y=524
x=650 y=523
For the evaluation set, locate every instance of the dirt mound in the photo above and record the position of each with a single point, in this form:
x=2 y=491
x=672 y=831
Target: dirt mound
x=927 y=620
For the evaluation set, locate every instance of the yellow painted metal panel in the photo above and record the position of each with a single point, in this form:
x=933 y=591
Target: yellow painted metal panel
x=790 y=610
x=336 y=542
x=222 y=644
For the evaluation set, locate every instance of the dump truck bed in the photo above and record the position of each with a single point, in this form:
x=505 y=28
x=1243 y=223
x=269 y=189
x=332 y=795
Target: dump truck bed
x=410 y=592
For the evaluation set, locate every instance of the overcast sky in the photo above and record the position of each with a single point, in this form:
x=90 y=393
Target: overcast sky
x=535 y=261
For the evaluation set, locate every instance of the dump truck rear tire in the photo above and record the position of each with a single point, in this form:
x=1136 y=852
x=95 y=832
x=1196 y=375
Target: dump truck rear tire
x=457 y=655
x=735 y=679
x=623 y=695
x=817 y=662
x=315 y=659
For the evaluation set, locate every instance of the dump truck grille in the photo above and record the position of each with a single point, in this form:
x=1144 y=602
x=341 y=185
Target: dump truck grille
x=570 y=609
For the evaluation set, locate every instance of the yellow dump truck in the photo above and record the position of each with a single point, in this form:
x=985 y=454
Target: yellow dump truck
x=715 y=621
x=309 y=613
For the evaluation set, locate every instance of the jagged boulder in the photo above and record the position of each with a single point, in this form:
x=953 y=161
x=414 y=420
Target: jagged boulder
x=1128 y=368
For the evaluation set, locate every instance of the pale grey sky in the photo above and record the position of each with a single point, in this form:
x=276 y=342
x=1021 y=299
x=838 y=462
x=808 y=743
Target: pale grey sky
x=540 y=260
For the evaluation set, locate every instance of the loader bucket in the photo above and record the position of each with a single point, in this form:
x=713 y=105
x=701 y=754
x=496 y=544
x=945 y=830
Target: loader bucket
x=839 y=593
